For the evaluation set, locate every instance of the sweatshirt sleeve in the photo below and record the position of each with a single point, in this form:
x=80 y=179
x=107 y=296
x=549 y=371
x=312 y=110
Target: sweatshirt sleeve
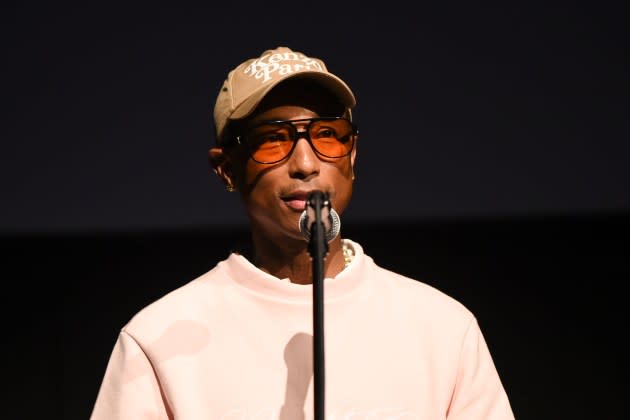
x=130 y=389
x=479 y=393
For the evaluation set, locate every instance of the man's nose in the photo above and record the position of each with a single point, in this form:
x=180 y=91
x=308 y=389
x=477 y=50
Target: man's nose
x=303 y=162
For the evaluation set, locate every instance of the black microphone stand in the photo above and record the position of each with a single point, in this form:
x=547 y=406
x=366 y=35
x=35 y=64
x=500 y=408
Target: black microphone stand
x=318 y=248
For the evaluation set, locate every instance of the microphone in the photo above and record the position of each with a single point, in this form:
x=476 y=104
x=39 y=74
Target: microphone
x=330 y=218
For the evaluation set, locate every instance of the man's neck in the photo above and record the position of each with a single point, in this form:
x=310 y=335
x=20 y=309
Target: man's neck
x=290 y=258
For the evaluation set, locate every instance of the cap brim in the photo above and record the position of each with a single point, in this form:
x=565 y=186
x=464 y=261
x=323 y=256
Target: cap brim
x=337 y=86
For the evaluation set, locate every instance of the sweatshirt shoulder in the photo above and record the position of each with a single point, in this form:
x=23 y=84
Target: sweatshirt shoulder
x=421 y=295
x=183 y=303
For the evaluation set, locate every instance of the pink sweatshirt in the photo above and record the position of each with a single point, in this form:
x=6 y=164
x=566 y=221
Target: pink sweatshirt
x=236 y=344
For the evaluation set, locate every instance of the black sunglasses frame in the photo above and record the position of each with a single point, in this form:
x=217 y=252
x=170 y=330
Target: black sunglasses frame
x=295 y=136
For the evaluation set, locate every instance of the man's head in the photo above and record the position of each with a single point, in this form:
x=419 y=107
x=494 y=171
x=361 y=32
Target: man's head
x=293 y=135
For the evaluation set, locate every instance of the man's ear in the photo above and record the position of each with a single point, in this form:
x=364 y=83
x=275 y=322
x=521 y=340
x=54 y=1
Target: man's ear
x=353 y=156
x=221 y=165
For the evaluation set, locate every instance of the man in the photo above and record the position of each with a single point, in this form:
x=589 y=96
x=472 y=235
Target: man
x=237 y=342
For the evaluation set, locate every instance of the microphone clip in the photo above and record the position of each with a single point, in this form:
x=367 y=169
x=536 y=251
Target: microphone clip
x=319 y=212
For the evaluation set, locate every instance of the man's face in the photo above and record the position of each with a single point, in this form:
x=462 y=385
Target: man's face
x=274 y=195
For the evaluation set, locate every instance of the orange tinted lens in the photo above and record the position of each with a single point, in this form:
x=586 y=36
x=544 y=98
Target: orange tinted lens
x=270 y=142
x=332 y=138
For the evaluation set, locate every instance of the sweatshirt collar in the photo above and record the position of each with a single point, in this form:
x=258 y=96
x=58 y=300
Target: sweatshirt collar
x=261 y=283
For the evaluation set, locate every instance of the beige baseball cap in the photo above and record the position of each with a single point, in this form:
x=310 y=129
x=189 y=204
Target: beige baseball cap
x=248 y=83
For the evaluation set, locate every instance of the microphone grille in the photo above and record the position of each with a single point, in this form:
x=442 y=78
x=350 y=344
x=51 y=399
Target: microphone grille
x=331 y=233
x=335 y=226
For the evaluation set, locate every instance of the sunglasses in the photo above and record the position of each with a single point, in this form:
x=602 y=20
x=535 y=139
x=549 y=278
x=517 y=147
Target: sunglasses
x=273 y=141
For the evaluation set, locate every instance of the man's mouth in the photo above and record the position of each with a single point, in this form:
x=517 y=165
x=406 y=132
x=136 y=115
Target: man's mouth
x=299 y=205
x=296 y=200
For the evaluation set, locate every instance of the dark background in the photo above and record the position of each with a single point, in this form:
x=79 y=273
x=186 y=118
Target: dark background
x=493 y=164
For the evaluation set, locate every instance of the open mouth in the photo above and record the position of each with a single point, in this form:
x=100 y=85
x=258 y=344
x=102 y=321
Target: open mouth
x=296 y=200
